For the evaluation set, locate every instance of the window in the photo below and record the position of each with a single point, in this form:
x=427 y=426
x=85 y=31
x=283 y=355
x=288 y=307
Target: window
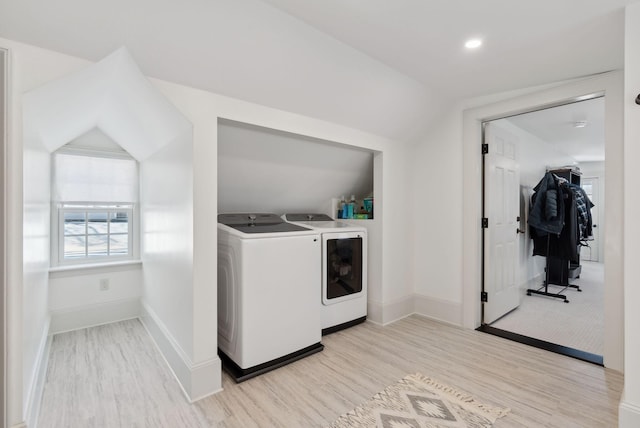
x=94 y=233
x=94 y=201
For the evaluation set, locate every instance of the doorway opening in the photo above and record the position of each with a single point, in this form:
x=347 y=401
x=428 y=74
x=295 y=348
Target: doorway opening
x=531 y=293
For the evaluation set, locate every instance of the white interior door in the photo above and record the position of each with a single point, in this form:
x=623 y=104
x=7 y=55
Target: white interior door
x=591 y=188
x=502 y=208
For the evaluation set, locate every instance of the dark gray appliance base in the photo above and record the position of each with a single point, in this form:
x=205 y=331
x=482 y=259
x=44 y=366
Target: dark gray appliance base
x=240 y=375
x=342 y=326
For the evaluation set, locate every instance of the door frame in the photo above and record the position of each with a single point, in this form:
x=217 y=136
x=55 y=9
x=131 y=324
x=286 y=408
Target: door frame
x=4 y=70
x=4 y=87
x=611 y=86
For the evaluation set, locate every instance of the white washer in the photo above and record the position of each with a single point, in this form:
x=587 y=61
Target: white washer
x=268 y=277
x=344 y=270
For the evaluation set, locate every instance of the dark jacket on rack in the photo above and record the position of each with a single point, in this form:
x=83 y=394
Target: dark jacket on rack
x=583 y=205
x=547 y=211
x=564 y=245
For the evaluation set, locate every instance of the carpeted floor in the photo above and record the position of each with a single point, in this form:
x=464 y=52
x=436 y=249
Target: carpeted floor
x=578 y=324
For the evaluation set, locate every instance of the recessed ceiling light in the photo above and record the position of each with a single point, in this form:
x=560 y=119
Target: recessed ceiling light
x=473 y=43
x=580 y=124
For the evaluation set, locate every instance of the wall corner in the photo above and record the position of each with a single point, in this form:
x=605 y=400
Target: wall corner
x=197 y=380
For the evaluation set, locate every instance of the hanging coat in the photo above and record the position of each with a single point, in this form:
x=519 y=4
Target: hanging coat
x=547 y=211
x=564 y=245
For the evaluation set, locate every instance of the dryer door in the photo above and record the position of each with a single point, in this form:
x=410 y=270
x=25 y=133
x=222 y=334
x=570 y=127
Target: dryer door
x=343 y=266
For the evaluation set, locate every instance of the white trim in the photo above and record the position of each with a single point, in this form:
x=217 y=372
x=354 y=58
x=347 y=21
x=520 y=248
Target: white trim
x=397 y=310
x=438 y=309
x=94 y=152
x=20 y=425
x=14 y=255
x=57 y=246
x=69 y=319
x=90 y=268
x=197 y=380
x=374 y=311
x=3 y=235
x=36 y=388
x=628 y=415
x=388 y=313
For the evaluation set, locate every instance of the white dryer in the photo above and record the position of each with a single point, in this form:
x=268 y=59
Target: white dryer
x=344 y=270
x=268 y=277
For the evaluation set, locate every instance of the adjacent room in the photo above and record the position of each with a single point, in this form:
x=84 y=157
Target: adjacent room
x=264 y=213
x=567 y=141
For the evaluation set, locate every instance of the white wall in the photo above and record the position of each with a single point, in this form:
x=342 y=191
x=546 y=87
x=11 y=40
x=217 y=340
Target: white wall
x=28 y=239
x=36 y=252
x=167 y=238
x=167 y=253
x=77 y=301
x=629 y=415
x=436 y=203
x=262 y=170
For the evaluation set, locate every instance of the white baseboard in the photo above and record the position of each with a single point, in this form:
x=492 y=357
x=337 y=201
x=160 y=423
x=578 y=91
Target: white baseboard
x=385 y=314
x=535 y=282
x=69 y=319
x=20 y=425
x=196 y=380
x=395 y=311
x=388 y=313
x=374 y=311
x=34 y=395
x=438 y=309
x=628 y=415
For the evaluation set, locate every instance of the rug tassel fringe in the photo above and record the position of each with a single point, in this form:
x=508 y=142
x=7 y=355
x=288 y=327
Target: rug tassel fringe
x=489 y=410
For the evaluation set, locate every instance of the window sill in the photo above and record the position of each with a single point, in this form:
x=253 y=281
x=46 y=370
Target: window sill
x=91 y=268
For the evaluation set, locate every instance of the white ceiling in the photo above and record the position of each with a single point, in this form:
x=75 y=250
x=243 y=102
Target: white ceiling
x=526 y=43
x=556 y=126
x=387 y=67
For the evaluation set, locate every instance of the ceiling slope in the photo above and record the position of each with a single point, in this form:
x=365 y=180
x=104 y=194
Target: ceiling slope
x=386 y=67
x=245 y=49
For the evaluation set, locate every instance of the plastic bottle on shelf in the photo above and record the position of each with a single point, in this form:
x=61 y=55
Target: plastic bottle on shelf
x=351 y=207
x=342 y=211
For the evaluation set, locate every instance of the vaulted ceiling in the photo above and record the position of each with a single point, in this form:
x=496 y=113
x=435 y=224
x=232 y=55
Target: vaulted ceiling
x=387 y=67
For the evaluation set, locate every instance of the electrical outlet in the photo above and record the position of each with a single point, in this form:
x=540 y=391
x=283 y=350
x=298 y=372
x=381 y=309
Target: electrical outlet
x=104 y=284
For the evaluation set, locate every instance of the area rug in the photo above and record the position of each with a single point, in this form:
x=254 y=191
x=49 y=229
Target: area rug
x=420 y=402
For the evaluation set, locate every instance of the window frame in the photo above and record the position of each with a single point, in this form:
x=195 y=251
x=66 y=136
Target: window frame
x=93 y=207
x=56 y=258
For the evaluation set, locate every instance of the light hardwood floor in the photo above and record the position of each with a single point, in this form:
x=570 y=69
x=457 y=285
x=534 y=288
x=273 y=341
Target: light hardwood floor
x=112 y=376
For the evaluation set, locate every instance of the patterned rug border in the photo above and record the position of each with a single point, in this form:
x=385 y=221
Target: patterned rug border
x=491 y=413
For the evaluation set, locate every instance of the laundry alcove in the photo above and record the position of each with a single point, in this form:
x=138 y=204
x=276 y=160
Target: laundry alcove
x=113 y=100
x=268 y=170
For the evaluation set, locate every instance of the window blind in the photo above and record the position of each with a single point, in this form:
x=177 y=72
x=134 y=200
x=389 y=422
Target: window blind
x=80 y=178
